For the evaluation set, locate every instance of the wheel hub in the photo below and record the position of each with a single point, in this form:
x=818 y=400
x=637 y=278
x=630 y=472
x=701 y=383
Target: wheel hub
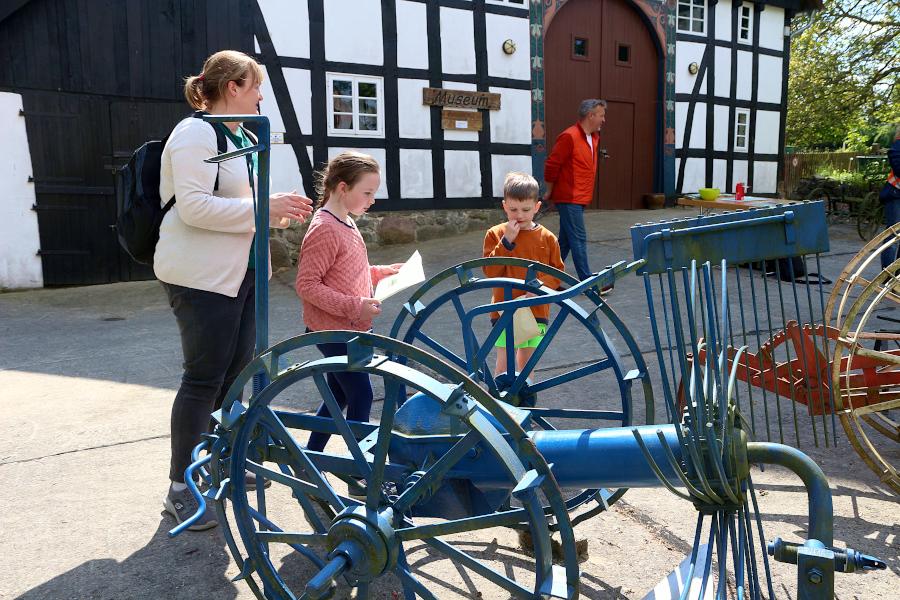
x=366 y=538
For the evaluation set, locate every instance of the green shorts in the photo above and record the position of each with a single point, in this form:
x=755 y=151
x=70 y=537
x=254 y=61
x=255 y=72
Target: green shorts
x=532 y=343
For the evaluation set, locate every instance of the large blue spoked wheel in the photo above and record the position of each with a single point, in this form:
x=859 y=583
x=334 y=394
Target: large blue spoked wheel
x=419 y=516
x=577 y=376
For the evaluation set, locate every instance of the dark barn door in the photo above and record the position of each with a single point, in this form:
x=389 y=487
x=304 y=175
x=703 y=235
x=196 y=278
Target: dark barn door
x=603 y=49
x=77 y=142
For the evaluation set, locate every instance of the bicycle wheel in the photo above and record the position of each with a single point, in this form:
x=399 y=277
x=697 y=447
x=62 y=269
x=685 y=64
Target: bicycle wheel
x=870 y=217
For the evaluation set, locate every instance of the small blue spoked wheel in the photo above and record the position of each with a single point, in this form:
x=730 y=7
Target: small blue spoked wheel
x=430 y=505
x=576 y=377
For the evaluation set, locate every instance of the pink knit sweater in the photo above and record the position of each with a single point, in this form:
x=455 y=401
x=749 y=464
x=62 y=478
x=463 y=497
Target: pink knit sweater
x=334 y=275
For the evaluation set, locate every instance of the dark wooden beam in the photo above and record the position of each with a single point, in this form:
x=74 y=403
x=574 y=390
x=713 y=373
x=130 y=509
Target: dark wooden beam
x=8 y=7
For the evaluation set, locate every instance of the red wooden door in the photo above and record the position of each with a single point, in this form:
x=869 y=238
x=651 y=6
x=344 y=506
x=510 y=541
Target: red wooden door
x=602 y=49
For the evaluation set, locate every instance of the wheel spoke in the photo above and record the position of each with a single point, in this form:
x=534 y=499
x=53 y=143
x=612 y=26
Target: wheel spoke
x=290 y=537
x=460 y=557
x=436 y=472
x=392 y=392
x=522 y=377
x=500 y=519
x=341 y=423
x=572 y=375
x=305 y=464
x=297 y=485
x=442 y=350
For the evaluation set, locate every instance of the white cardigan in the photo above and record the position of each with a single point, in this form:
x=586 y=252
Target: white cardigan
x=204 y=241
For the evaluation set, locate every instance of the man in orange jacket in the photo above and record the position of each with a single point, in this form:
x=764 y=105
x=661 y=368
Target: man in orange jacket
x=569 y=173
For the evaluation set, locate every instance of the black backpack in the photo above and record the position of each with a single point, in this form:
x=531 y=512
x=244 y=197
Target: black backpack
x=138 y=209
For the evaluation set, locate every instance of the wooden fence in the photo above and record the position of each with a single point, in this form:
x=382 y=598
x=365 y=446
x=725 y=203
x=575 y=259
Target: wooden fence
x=799 y=166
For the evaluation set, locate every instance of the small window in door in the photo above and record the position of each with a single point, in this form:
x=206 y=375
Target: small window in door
x=623 y=54
x=579 y=48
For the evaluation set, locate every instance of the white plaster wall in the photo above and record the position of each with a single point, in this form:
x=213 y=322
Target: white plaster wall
x=685 y=54
x=451 y=134
x=285 y=169
x=412 y=35
x=698 y=131
x=767 y=128
x=723 y=20
x=414 y=118
x=720 y=135
x=769 y=79
x=20 y=266
x=416 y=169
x=765 y=176
x=745 y=74
x=512 y=123
x=300 y=88
x=771 y=27
x=377 y=154
x=500 y=64
x=462 y=172
x=739 y=171
x=501 y=164
x=719 y=167
x=723 y=73
x=288 y=24
x=269 y=106
x=457 y=41
x=694 y=175
x=353 y=31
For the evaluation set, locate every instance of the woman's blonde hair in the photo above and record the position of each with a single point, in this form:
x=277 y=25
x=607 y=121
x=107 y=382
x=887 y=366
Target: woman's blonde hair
x=348 y=167
x=210 y=85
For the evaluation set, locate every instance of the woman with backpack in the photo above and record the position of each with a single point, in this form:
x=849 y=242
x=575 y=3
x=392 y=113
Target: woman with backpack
x=205 y=255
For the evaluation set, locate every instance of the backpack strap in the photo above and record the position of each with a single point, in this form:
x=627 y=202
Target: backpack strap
x=221 y=142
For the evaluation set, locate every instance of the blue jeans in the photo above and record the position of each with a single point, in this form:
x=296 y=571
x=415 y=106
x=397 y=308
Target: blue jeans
x=891 y=217
x=351 y=390
x=572 y=236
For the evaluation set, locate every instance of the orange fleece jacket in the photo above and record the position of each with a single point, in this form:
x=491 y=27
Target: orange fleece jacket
x=538 y=244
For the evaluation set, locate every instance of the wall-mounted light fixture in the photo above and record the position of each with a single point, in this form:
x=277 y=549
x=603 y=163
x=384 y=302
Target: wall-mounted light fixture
x=693 y=68
x=509 y=46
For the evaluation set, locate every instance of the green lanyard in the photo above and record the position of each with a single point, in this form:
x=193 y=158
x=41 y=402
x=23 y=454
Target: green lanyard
x=240 y=140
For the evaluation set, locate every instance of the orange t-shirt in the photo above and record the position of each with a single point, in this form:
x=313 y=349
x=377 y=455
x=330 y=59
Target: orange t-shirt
x=538 y=244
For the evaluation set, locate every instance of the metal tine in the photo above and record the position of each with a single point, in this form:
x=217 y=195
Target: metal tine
x=651 y=462
x=756 y=328
x=722 y=556
x=737 y=556
x=746 y=534
x=669 y=344
x=694 y=347
x=821 y=387
x=765 y=281
x=698 y=530
x=802 y=350
x=709 y=547
x=740 y=294
x=671 y=409
x=724 y=336
x=694 y=438
x=677 y=468
x=762 y=538
x=827 y=345
x=787 y=349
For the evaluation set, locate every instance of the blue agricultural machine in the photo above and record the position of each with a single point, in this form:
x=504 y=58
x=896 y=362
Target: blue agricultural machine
x=460 y=451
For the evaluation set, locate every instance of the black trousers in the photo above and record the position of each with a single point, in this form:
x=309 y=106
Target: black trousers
x=217 y=337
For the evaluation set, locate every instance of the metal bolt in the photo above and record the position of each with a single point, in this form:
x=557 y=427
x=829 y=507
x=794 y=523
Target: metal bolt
x=814 y=576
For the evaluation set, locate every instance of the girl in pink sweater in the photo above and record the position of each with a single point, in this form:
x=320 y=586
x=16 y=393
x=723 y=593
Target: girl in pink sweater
x=334 y=278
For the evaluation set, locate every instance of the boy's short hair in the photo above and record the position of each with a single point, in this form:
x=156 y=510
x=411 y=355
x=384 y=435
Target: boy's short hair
x=520 y=186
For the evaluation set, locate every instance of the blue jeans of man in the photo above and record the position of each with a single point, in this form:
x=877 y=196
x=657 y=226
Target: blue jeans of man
x=572 y=236
x=350 y=390
x=891 y=217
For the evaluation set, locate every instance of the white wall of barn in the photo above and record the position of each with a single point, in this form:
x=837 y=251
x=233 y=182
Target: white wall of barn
x=767 y=127
x=20 y=265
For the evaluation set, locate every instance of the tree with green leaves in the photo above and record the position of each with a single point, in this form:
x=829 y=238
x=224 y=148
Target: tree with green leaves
x=845 y=64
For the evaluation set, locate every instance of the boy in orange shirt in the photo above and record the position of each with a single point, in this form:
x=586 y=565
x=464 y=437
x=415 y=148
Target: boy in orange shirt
x=521 y=237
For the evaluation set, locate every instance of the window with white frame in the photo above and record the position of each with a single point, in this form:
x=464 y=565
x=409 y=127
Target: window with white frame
x=745 y=22
x=742 y=129
x=355 y=105
x=513 y=2
x=692 y=16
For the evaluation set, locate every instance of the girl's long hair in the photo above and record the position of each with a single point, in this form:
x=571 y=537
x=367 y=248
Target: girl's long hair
x=348 y=166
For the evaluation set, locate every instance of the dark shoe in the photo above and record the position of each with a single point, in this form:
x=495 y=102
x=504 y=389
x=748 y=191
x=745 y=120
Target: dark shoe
x=182 y=505
x=356 y=489
x=607 y=289
x=250 y=481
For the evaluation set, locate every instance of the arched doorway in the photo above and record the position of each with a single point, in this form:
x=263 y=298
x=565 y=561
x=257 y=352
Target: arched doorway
x=603 y=49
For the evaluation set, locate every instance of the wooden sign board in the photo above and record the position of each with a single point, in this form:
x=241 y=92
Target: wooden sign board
x=460 y=99
x=461 y=120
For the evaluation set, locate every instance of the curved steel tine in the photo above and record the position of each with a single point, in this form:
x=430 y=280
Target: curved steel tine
x=655 y=467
